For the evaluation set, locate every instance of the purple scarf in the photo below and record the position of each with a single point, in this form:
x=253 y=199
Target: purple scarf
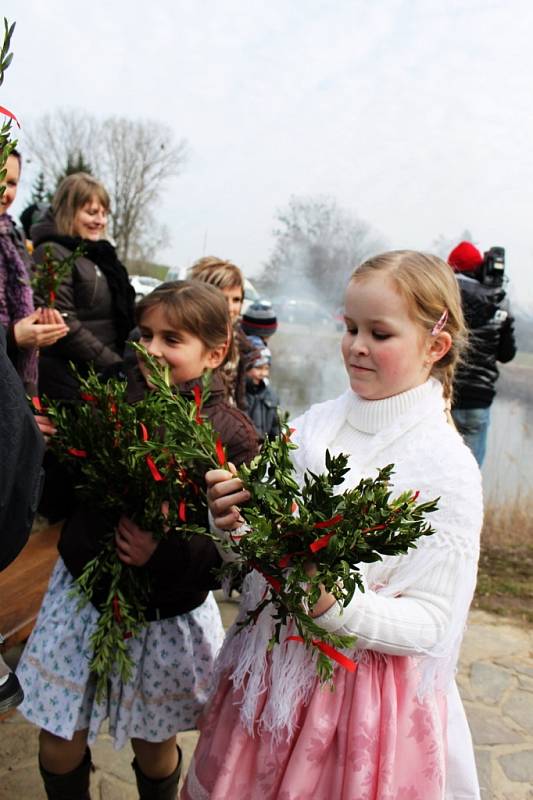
x=16 y=297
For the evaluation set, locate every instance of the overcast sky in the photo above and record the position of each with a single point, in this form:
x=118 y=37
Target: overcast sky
x=416 y=115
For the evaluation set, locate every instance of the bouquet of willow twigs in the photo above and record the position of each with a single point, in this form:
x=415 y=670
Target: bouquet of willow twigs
x=146 y=460
x=291 y=527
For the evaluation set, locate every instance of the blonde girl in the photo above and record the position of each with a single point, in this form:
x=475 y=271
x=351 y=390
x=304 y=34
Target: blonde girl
x=396 y=727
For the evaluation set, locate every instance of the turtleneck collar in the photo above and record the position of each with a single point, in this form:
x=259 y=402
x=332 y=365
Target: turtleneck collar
x=371 y=416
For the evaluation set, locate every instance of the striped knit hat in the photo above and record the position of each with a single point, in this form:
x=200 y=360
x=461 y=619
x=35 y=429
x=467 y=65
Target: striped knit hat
x=259 y=319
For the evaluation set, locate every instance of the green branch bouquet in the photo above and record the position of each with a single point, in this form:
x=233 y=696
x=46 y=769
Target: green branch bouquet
x=303 y=538
x=146 y=460
x=48 y=276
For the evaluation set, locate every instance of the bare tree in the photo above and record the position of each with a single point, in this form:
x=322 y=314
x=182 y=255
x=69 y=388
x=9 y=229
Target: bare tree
x=133 y=159
x=317 y=244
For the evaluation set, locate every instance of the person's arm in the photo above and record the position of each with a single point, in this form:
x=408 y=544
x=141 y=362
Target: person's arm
x=507 y=344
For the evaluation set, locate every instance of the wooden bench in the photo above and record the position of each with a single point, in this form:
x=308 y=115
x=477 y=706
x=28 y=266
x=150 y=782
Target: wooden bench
x=23 y=584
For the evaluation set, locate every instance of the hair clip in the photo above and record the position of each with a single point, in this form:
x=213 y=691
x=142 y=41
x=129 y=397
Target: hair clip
x=441 y=322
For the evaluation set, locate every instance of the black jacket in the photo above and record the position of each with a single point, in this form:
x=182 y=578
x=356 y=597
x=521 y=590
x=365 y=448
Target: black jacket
x=21 y=453
x=86 y=300
x=491 y=339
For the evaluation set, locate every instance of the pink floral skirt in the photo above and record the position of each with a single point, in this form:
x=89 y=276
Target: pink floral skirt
x=371 y=738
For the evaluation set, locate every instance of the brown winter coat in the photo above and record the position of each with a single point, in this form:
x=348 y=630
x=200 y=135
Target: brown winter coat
x=181 y=570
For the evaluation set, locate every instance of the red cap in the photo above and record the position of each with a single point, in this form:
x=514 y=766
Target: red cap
x=465 y=258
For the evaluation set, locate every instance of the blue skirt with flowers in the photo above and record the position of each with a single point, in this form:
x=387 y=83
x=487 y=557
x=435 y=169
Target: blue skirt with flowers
x=171 y=681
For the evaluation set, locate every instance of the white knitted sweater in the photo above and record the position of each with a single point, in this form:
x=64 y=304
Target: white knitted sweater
x=414 y=604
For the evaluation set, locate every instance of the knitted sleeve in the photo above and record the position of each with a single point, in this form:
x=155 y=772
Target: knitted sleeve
x=417 y=603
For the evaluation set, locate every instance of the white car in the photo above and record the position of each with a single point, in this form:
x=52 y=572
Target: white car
x=143 y=285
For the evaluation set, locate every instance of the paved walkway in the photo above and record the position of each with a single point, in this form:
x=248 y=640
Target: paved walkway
x=496 y=682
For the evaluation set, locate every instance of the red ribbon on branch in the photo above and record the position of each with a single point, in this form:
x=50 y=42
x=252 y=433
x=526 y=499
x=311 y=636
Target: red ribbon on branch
x=89 y=398
x=221 y=456
x=198 y=402
x=274 y=582
x=182 y=511
x=9 y=114
x=318 y=544
x=156 y=475
x=116 y=609
x=348 y=663
x=36 y=403
x=78 y=453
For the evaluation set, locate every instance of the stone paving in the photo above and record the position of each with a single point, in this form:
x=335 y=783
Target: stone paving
x=496 y=683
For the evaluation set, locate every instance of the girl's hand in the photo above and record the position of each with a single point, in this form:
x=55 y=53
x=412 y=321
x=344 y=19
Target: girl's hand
x=326 y=599
x=224 y=493
x=31 y=332
x=134 y=546
x=45 y=425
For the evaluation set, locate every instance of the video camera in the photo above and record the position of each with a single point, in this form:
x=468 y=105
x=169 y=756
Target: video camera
x=493 y=267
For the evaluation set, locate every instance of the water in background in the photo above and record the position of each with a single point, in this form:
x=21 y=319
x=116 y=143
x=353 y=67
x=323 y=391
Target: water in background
x=307 y=368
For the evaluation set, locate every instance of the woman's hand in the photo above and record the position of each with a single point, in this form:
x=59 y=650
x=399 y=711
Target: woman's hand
x=45 y=425
x=224 y=493
x=134 y=546
x=31 y=331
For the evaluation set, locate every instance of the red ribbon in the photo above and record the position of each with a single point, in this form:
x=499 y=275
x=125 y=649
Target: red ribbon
x=182 y=511
x=156 y=475
x=329 y=651
x=415 y=497
x=116 y=609
x=274 y=582
x=198 y=402
x=374 y=528
x=36 y=402
x=52 y=296
x=89 y=398
x=221 y=456
x=9 y=114
x=318 y=544
x=144 y=431
x=329 y=522
x=77 y=453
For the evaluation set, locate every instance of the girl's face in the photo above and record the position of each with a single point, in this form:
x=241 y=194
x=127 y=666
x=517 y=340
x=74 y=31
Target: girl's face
x=385 y=352
x=11 y=182
x=185 y=354
x=90 y=221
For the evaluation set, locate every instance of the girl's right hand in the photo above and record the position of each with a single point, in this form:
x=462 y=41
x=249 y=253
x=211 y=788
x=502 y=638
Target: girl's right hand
x=45 y=425
x=31 y=332
x=224 y=493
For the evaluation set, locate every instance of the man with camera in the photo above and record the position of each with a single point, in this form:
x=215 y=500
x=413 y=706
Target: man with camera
x=491 y=339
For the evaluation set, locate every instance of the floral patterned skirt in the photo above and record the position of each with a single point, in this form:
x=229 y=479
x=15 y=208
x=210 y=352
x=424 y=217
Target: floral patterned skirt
x=172 y=675
x=369 y=739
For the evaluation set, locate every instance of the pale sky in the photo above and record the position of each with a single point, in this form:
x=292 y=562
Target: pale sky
x=416 y=115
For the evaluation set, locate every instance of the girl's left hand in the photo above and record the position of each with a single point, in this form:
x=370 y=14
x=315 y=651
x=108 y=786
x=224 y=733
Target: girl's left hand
x=326 y=599
x=134 y=546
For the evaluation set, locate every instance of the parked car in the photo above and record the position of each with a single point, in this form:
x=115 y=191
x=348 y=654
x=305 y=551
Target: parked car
x=143 y=285
x=302 y=312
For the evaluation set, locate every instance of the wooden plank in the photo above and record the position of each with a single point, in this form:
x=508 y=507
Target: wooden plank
x=24 y=582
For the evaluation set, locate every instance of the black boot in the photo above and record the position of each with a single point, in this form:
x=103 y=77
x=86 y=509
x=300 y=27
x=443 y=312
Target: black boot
x=165 y=789
x=73 y=785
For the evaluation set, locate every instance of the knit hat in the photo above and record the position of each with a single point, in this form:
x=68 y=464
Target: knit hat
x=259 y=319
x=465 y=258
